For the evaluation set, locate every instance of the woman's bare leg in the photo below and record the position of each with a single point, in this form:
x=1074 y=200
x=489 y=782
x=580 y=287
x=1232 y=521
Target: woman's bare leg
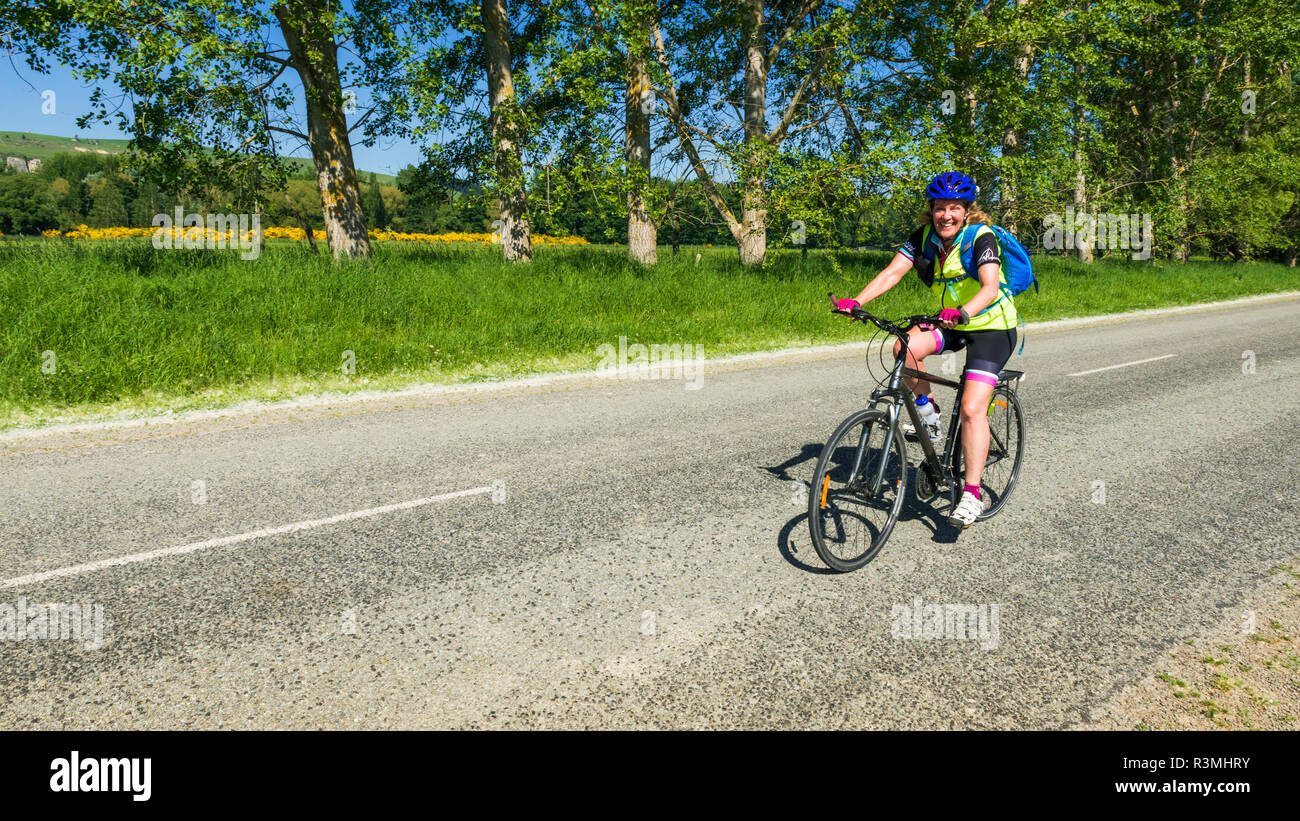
x=920 y=344
x=975 y=428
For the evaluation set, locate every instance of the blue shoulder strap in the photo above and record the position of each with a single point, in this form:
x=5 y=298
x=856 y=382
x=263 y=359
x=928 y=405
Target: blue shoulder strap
x=967 y=256
x=965 y=250
x=966 y=253
x=929 y=245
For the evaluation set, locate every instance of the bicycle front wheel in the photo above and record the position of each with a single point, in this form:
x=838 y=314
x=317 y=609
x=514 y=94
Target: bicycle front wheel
x=857 y=491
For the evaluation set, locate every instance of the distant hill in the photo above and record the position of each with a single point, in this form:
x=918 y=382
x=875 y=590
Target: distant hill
x=43 y=146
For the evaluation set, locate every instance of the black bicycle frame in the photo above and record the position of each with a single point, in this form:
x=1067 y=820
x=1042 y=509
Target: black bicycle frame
x=899 y=394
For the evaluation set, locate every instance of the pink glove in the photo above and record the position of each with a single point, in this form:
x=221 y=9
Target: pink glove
x=847 y=305
x=950 y=315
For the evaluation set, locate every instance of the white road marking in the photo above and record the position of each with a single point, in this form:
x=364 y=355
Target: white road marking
x=1125 y=365
x=180 y=550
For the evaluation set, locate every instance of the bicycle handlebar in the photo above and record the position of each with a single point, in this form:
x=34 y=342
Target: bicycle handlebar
x=897 y=328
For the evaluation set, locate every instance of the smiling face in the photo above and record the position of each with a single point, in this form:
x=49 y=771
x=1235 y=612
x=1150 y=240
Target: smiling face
x=949 y=216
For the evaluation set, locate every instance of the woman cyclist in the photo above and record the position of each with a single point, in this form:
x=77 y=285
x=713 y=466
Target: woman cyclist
x=975 y=313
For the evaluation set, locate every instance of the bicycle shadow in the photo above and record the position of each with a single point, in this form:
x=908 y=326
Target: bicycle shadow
x=931 y=514
x=808 y=453
x=789 y=547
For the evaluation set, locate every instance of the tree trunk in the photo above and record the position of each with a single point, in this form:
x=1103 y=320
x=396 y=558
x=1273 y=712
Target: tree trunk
x=261 y=235
x=308 y=235
x=314 y=55
x=1245 y=126
x=964 y=74
x=751 y=233
x=642 y=237
x=507 y=134
x=1084 y=247
x=1011 y=139
x=1178 y=241
x=1178 y=234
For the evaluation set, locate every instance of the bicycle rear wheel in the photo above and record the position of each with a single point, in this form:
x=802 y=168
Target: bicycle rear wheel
x=850 y=513
x=1006 y=451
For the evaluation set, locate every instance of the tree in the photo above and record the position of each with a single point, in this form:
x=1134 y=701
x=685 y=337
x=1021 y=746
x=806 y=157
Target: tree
x=508 y=133
x=312 y=29
x=376 y=211
x=597 y=80
x=642 y=236
x=26 y=205
x=484 y=129
x=211 y=92
x=800 y=56
x=107 y=206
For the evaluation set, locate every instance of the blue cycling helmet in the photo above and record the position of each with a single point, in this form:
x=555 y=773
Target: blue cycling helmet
x=952 y=185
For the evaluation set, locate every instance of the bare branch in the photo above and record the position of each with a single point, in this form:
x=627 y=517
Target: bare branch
x=364 y=117
x=791 y=110
x=288 y=131
x=270 y=57
x=809 y=7
x=684 y=138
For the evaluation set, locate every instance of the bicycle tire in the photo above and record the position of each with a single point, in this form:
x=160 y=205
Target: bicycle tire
x=832 y=460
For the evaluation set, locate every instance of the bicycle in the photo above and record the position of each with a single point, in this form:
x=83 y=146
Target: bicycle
x=871 y=477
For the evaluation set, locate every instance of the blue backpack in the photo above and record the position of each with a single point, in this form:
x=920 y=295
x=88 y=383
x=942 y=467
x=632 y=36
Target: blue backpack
x=1015 y=264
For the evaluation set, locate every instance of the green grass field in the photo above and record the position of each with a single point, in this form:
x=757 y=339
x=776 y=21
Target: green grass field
x=132 y=328
x=44 y=146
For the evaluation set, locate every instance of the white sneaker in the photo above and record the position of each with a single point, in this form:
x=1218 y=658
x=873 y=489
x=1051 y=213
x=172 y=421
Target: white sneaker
x=967 y=510
x=935 y=430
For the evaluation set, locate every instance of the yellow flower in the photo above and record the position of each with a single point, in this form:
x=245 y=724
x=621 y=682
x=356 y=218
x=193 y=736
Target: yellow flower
x=181 y=233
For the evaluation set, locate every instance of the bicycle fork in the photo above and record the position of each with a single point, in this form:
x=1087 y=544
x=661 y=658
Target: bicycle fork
x=890 y=431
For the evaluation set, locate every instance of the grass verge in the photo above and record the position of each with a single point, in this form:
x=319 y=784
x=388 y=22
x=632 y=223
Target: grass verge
x=93 y=327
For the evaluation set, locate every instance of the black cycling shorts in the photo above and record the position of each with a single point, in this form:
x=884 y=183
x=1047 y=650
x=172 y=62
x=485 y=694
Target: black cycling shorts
x=988 y=354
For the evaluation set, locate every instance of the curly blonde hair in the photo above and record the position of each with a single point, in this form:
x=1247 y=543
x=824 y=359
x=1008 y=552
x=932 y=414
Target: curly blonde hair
x=974 y=214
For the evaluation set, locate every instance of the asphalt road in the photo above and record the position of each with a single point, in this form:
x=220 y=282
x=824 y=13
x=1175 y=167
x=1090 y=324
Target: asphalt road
x=649 y=564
